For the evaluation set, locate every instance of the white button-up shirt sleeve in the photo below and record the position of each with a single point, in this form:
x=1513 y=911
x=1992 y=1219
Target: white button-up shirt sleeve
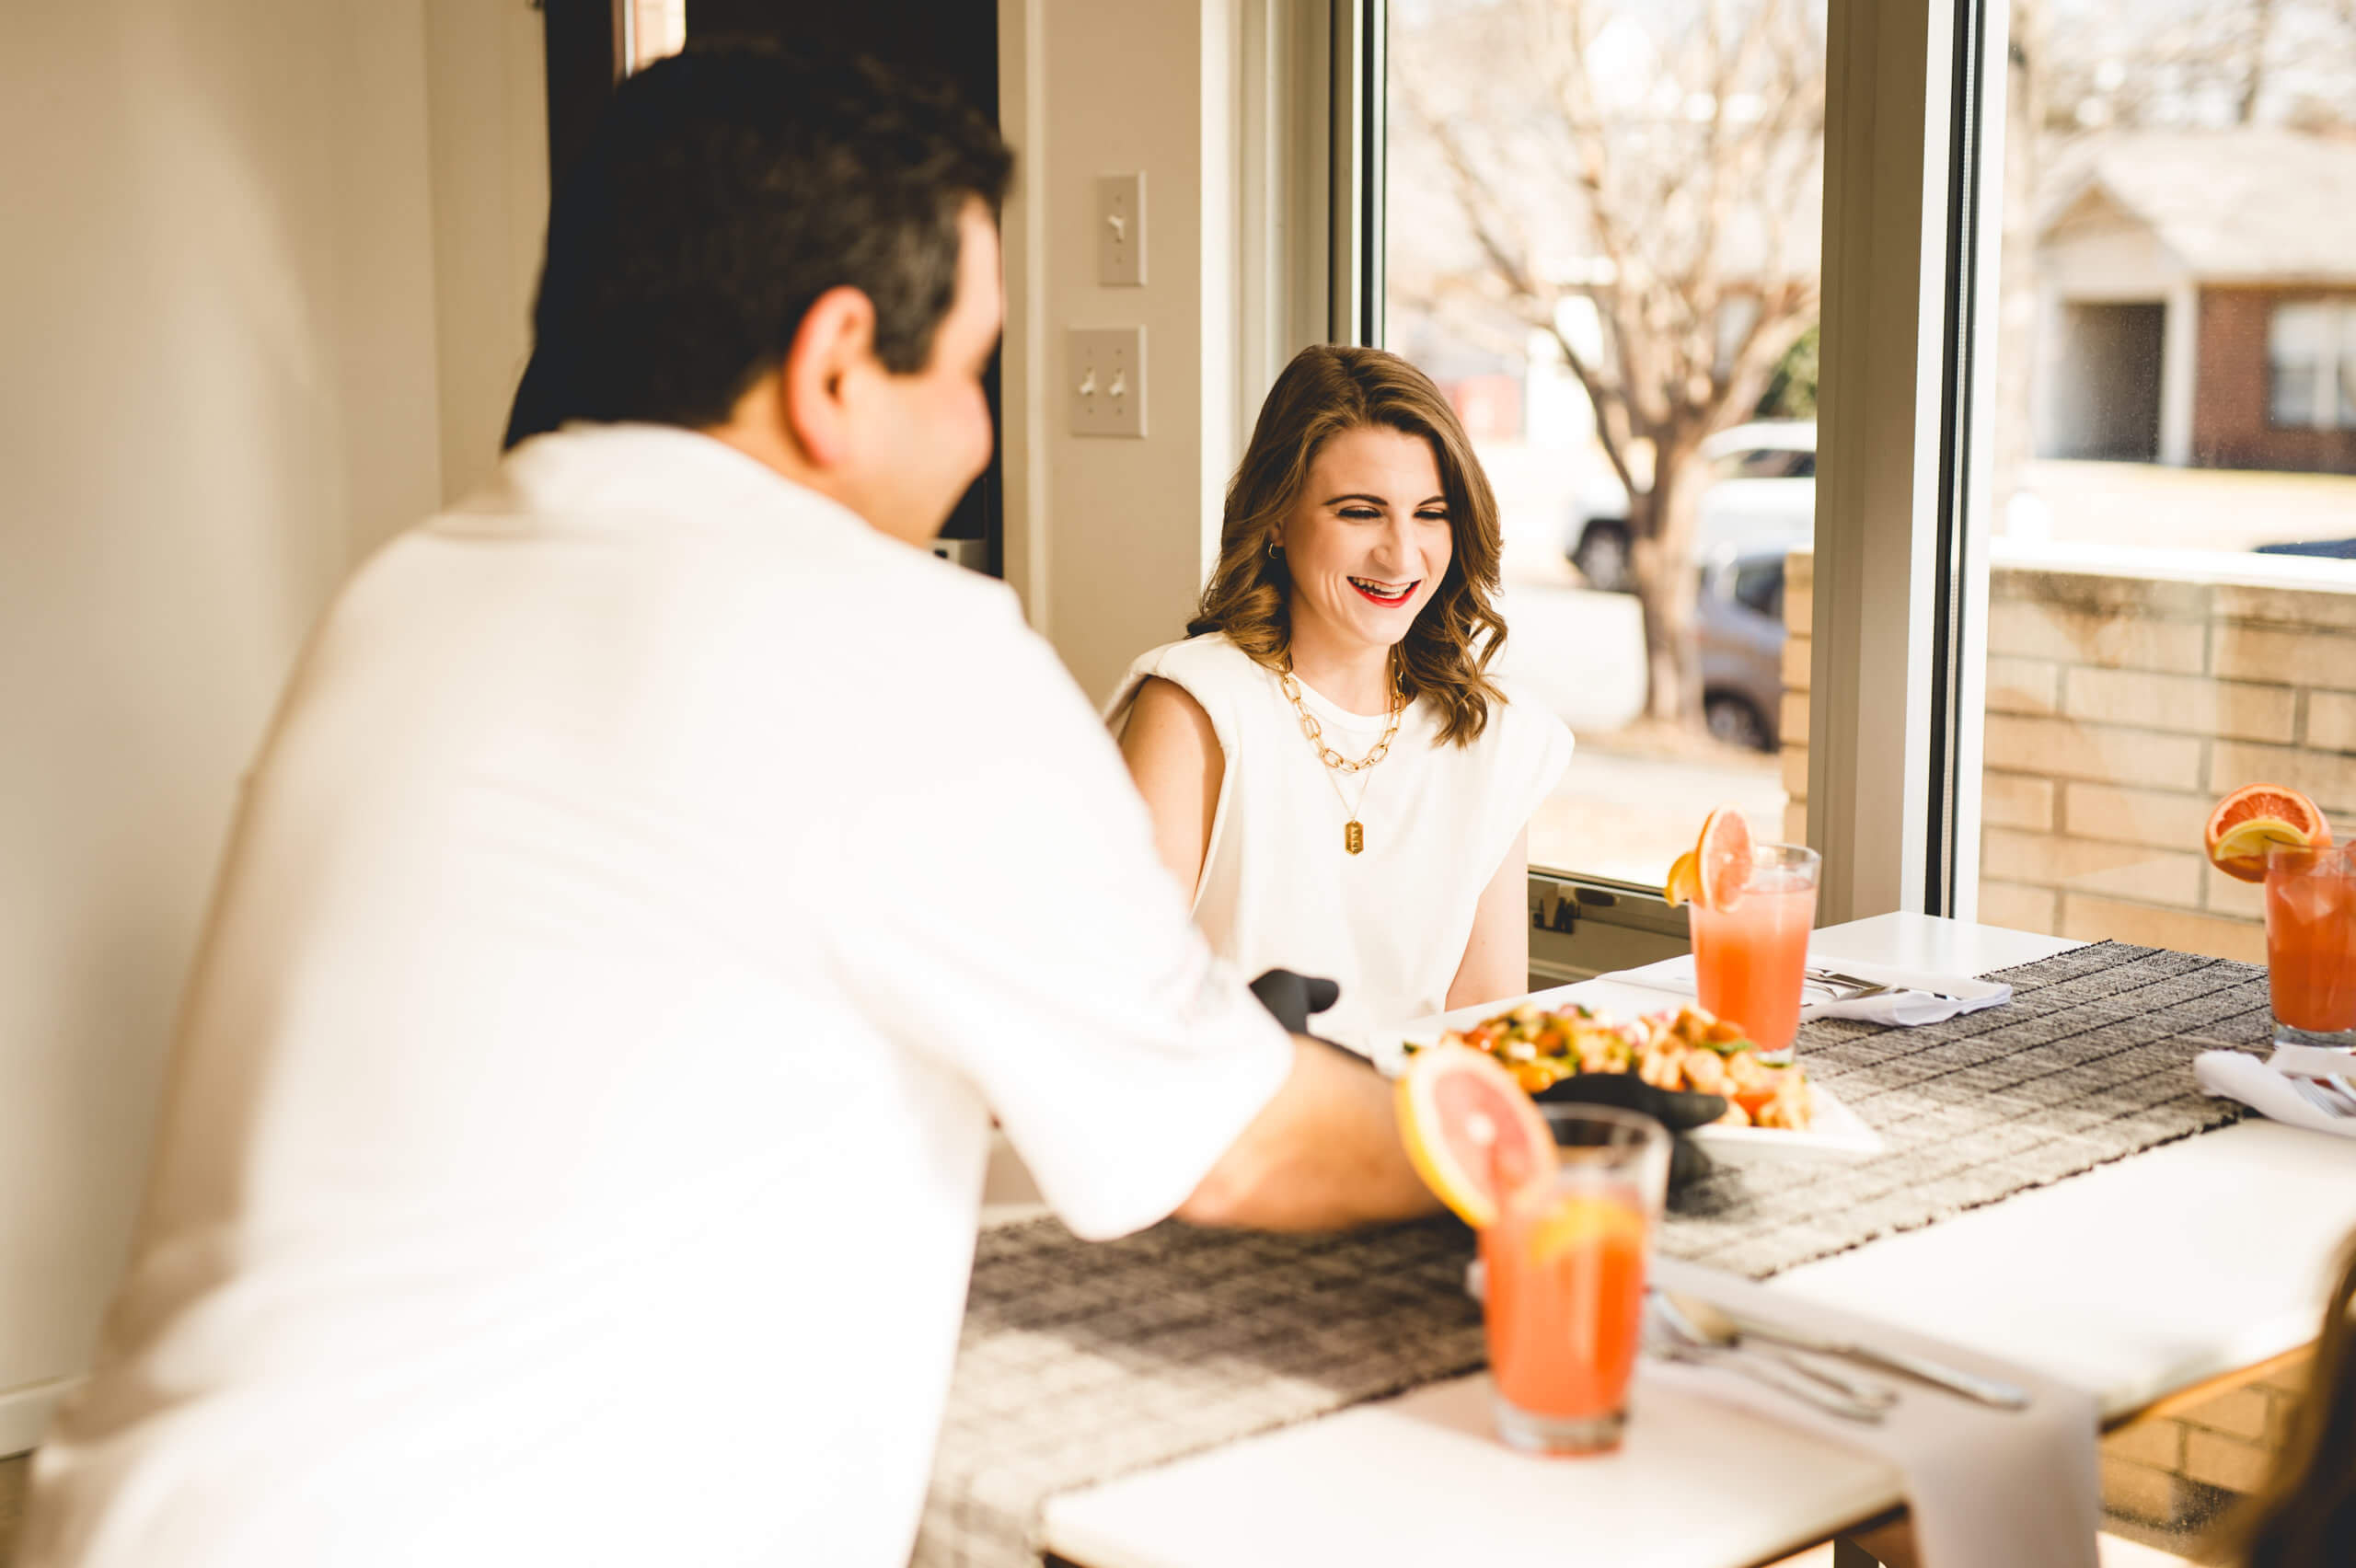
x=1008 y=917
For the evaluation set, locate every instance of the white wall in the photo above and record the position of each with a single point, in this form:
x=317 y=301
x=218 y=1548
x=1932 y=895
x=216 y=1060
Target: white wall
x=217 y=311
x=487 y=133
x=1109 y=539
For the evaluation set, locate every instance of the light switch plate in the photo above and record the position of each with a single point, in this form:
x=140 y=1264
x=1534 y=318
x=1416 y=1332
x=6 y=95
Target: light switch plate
x=1104 y=377
x=1120 y=229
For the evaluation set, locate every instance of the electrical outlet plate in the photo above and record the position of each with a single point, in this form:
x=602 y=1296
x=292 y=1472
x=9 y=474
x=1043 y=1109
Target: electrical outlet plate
x=1120 y=229
x=1104 y=377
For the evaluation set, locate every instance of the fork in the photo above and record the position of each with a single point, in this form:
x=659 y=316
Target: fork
x=2330 y=1101
x=1844 y=987
x=1840 y=985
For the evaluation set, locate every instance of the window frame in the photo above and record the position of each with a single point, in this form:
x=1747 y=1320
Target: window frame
x=2330 y=372
x=1896 y=704
x=1357 y=92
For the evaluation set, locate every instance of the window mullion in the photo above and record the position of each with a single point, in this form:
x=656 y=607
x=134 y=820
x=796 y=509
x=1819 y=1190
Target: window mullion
x=1887 y=131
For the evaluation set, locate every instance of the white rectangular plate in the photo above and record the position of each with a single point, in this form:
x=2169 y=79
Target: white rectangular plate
x=1835 y=1132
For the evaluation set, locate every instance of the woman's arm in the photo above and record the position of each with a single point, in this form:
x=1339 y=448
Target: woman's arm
x=1496 y=958
x=1174 y=756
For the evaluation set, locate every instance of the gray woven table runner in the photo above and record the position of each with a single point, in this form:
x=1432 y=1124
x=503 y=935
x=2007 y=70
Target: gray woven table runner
x=1081 y=1363
x=2090 y=1062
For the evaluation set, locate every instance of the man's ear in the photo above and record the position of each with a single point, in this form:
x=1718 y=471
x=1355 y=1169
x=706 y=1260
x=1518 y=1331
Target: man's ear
x=835 y=341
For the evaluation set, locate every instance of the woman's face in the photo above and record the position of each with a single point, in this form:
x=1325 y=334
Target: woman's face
x=1368 y=540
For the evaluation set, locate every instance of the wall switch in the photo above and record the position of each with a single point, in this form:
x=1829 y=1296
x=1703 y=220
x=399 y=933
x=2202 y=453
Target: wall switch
x=1120 y=229
x=1104 y=370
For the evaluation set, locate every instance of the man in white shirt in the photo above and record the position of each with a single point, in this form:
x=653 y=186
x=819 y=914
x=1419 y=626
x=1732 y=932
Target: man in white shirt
x=658 y=871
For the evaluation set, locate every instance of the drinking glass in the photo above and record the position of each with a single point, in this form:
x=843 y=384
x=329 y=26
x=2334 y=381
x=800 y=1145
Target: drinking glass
x=1748 y=957
x=2311 y=944
x=1563 y=1293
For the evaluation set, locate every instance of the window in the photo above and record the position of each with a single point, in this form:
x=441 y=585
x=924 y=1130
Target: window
x=2161 y=628
x=652 y=30
x=2117 y=424
x=1601 y=229
x=2311 y=366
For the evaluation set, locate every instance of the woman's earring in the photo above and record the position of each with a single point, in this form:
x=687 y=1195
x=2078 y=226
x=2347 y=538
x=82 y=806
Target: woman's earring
x=1273 y=549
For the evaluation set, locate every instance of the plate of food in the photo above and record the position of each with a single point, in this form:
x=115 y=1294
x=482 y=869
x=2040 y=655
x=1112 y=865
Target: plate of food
x=1773 y=1110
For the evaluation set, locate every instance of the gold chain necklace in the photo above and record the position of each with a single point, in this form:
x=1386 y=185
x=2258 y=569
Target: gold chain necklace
x=1354 y=831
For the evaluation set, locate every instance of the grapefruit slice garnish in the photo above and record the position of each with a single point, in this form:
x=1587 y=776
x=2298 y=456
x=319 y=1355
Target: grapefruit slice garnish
x=2255 y=817
x=1471 y=1132
x=1722 y=858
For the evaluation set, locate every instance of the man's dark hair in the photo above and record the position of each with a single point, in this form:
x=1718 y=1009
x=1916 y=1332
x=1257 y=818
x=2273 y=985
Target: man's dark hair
x=724 y=190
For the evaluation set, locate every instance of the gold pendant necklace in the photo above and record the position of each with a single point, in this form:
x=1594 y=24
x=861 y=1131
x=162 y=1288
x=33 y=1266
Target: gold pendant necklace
x=1353 y=831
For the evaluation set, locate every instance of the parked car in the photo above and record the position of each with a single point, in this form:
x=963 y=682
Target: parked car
x=1739 y=620
x=1762 y=491
x=2330 y=549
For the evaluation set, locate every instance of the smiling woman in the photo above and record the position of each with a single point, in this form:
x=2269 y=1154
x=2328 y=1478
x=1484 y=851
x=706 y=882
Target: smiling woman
x=1333 y=773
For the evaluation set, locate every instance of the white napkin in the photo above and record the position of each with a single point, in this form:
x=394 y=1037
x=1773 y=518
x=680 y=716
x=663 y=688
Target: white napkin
x=2235 y=1075
x=2021 y=1488
x=1921 y=998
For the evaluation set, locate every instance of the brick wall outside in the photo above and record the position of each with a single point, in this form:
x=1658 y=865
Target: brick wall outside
x=2120 y=708
x=1800 y=612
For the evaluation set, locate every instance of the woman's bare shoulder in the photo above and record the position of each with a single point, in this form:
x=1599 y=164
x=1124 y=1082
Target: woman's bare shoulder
x=1165 y=713
x=1211 y=671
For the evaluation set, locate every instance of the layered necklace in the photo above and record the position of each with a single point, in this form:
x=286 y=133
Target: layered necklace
x=1354 y=831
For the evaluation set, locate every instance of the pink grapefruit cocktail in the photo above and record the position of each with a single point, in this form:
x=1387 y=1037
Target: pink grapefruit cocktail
x=2311 y=941
x=1564 y=1262
x=1749 y=950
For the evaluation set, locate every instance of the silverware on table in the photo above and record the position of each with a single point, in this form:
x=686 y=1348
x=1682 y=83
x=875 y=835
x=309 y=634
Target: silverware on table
x=2311 y=1069
x=1695 y=1319
x=1955 y=1379
x=2323 y=1095
x=1840 y=987
x=1663 y=1340
x=1833 y=980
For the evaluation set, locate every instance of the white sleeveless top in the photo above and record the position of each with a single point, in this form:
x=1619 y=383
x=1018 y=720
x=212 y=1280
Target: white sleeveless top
x=1279 y=890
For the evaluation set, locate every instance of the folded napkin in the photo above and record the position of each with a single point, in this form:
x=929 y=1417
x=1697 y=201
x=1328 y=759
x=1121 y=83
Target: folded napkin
x=1919 y=997
x=2235 y=1075
x=2020 y=1488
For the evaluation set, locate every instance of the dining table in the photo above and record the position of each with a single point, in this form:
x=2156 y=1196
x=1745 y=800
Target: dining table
x=2135 y=1281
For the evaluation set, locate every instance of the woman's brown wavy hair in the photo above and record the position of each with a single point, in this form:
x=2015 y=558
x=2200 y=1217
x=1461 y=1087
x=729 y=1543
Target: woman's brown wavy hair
x=1326 y=390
